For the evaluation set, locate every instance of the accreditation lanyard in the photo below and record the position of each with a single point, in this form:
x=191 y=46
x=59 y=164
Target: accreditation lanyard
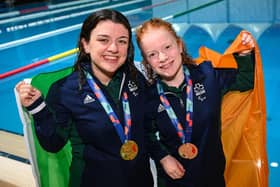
x=184 y=135
x=123 y=134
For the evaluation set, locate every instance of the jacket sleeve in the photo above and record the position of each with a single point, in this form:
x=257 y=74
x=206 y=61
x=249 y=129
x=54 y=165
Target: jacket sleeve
x=244 y=79
x=52 y=130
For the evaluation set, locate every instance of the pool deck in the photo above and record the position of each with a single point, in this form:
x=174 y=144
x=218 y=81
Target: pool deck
x=14 y=171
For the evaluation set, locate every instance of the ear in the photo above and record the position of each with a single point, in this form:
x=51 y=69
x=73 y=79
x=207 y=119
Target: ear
x=85 y=45
x=180 y=45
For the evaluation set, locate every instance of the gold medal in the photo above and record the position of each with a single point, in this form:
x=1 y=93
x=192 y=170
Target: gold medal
x=188 y=151
x=129 y=150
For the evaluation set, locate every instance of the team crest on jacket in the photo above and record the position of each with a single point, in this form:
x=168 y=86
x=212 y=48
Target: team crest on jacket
x=132 y=87
x=88 y=99
x=199 y=91
x=160 y=108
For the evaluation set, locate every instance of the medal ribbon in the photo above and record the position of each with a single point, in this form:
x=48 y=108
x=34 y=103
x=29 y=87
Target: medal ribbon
x=184 y=135
x=123 y=134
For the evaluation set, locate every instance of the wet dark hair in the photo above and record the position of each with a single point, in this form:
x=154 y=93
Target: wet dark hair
x=88 y=25
x=159 y=23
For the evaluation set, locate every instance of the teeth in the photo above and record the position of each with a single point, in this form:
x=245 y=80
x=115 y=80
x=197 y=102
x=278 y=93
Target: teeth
x=110 y=57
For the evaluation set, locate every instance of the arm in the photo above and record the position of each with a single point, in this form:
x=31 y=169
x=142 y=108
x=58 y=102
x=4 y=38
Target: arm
x=245 y=73
x=48 y=131
x=245 y=63
x=235 y=68
x=170 y=164
x=158 y=152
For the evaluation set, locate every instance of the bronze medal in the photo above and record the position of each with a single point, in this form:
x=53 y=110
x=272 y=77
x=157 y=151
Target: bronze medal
x=129 y=150
x=188 y=151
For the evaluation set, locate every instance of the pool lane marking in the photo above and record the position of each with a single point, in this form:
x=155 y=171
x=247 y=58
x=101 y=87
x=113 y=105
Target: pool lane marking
x=41 y=14
x=56 y=6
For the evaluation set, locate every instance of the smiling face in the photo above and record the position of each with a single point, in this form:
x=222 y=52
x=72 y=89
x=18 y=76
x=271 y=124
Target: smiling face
x=163 y=52
x=108 y=49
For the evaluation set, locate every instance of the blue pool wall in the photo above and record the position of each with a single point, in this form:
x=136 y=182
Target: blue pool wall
x=226 y=11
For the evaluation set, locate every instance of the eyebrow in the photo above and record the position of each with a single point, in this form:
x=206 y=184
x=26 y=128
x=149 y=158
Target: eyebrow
x=105 y=35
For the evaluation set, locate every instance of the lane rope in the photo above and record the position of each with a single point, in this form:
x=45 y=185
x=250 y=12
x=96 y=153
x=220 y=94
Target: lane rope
x=38 y=63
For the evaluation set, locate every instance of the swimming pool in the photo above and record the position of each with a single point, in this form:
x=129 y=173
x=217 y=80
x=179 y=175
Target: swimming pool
x=35 y=38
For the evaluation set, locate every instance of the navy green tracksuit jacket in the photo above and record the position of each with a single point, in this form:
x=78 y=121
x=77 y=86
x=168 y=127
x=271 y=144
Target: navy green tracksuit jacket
x=209 y=85
x=76 y=114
